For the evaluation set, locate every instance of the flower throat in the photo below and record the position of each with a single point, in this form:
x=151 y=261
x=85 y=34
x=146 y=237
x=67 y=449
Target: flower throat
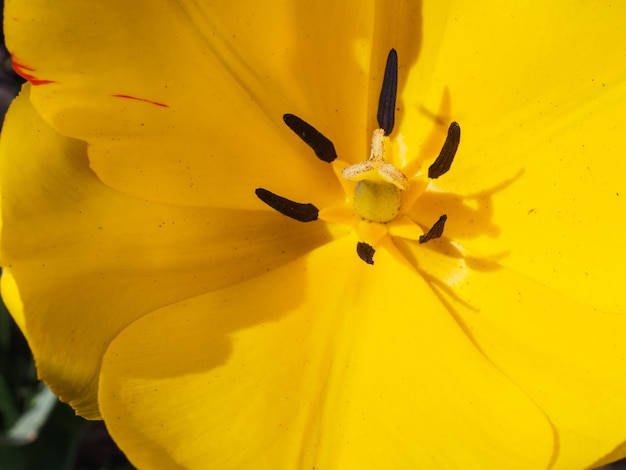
x=377 y=197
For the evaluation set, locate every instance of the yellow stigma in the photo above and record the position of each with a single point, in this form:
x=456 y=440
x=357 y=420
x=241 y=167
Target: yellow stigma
x=377 y=193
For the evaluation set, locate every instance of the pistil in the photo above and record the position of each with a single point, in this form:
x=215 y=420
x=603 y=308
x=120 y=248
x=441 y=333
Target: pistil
x=377 y=193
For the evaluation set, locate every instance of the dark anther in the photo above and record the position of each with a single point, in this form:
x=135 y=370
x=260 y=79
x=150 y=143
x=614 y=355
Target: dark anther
x=321 y=145
x=448 y=151
x=295 y=210
x=435 y=231
x=387 y=100
x=365 y=252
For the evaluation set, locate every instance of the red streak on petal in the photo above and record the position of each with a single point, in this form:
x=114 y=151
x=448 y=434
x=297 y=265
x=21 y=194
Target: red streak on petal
x=25 y=72
x=142 y=99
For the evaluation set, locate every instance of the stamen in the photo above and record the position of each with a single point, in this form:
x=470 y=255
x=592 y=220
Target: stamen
x=435 y=231
x=365 y=252
x=448 y=151
x=321 y=145
x=387 y=99
x=295 y=210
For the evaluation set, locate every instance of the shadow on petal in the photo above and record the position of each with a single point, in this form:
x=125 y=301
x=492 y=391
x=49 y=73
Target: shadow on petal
x=469 y=216
x=340 y=88
x=241 y=383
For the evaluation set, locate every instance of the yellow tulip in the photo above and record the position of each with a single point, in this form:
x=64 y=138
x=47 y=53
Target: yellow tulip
x=150 y=175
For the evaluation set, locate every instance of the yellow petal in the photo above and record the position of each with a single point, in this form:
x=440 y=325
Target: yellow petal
x=187 y=93
x=11 y=298
x=567 y=357
x=538 y=178
x=261 y=375
x=88 y=260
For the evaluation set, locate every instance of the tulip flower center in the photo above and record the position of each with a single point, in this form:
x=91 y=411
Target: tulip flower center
x=380 y=187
